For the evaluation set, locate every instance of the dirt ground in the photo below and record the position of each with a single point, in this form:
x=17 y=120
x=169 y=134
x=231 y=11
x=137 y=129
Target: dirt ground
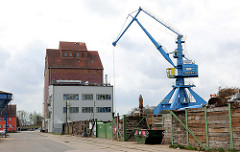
x=45 y=142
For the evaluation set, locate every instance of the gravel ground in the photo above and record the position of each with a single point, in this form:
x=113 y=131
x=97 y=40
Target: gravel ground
x=45 y=142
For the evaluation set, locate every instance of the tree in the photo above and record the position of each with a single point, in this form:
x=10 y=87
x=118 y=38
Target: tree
x=25 y=119
x=146 y=110
x=36 y=118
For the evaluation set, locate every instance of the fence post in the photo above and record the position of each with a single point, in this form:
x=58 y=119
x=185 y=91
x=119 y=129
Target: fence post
x=162 y=122
x=206 y=126
x=117 y=126
x=171 y=117
x=124 y=128
x=96 y=128
x=118 y=132
x=147 y=122
x=230 y=125
x=153 y=121
x=186 y=119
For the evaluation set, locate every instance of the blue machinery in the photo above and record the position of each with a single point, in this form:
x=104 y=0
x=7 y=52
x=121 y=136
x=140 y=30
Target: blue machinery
x=184 y=69
x=5 y=98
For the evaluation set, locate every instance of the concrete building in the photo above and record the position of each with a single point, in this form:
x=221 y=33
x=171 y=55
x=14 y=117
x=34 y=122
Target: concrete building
x=74 y=88
x=83 y=103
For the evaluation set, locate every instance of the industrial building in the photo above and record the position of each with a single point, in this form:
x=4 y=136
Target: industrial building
x=74 y=88
x=11 y=119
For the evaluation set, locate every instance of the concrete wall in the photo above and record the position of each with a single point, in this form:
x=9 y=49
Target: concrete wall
x=58 y=117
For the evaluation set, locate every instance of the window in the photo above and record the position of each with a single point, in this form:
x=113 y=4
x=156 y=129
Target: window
x=70 y=54
x=87 y=96
x=4 y=126
x=103 y=97
x=71 y=110
x=74 y=109
x=70 y=97
x=78 y=55
x=104 y=109
x=87 y=109
x=10 y=126
x=65 y=53
x=9 y=119
x=0 y=126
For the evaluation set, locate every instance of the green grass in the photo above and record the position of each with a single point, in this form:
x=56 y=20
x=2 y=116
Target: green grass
x=55 y=133
x=209 y=150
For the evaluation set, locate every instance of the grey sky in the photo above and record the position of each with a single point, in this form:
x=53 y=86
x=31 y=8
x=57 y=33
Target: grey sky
x=211 y=29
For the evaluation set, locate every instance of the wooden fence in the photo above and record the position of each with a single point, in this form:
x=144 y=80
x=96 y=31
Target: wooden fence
x=203 y=127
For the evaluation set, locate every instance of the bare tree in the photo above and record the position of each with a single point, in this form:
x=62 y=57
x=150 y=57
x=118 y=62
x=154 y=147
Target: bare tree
x=25 y=118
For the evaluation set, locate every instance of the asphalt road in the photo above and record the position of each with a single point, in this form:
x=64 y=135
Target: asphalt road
x=44 y=142
x=30 y=142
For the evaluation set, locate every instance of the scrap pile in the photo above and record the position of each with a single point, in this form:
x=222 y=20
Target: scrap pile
x=224 y=96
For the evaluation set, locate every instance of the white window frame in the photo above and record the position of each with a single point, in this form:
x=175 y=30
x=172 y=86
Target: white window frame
x=103 y=96
x=87 y=96
x=67 y=96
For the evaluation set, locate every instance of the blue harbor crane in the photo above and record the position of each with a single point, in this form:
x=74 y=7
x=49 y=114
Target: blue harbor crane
x=178 y=98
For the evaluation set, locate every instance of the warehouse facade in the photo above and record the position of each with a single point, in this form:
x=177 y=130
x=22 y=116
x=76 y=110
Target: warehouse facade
x=73 y=83
x=68 y=103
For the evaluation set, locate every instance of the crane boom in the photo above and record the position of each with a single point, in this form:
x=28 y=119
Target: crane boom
x=159 y=47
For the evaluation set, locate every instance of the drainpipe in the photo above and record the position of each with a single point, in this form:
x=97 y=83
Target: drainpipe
x=6 y=121
x=50 y=80
x=52 y=114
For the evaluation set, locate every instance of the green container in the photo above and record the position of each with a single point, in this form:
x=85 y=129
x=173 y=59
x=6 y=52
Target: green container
x=148 y=136
x=104 y=130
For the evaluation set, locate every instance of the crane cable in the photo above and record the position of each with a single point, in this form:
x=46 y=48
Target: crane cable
x=125 y=23
x=113 y=63
x=122 y=26
x=114 y=82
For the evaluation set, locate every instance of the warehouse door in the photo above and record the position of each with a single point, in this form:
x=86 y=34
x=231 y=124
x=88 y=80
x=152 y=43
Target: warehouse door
x=104 y=130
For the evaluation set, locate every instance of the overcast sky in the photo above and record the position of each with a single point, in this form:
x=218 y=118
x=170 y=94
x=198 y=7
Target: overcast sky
x=211 y=29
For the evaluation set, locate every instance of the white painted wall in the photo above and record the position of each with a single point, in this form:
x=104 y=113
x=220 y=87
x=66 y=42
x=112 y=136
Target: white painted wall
x=58 y=117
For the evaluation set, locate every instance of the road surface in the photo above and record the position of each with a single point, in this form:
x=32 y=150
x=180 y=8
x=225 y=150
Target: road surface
x=45 y=142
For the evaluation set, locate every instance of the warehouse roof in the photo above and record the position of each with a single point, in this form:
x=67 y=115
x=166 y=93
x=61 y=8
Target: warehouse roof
x=57 y=58
x=73 y=46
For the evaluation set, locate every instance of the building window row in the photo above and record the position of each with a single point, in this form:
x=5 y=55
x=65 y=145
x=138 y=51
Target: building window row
x=103 y=97
x=88 y=109
x=86 y=96
x=74 y=54
x=9 y=119
x=70 y=97
x=71 y=109
x=104 y=109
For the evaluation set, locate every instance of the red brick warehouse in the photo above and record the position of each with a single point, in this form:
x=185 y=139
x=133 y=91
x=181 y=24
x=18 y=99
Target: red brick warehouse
x=71 y=61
